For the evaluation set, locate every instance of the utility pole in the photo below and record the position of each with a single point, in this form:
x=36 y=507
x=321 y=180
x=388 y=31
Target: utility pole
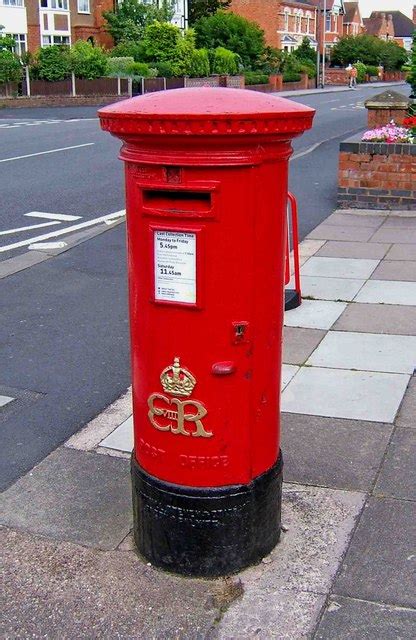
x=318 y=50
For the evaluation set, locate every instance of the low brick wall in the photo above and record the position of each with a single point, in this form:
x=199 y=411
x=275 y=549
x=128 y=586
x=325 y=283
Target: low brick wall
x=58 y=101
x=380 y=117
x=376 y=175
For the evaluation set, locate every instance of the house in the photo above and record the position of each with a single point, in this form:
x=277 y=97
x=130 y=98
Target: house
x=42 y=23
x=352 y=23
x=285 y=24
x=403 y=29
x=334 y=27
x=380 y=24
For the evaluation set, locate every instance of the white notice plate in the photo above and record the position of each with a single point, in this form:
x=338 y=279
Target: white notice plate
x=175 y=266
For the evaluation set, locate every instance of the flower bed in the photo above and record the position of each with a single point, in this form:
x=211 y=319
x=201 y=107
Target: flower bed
x=390 y=133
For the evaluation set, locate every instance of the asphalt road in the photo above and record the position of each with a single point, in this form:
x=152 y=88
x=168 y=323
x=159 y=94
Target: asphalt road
x=64 y=333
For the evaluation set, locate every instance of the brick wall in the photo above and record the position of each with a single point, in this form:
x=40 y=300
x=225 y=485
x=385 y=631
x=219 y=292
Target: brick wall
x=264 y=13
x=376 y=176
x=380 y=117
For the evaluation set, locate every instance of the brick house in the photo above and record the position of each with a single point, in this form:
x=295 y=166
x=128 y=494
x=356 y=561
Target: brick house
x=403 y=28
x=285 y=24
x=352 y=24
x=265 y=14
x=380 y=24
x=42 y=23
x=334 y=28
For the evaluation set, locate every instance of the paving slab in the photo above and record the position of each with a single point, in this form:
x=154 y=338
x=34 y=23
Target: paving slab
x=61 y=590
x=402 y=252
x=378 y=318
x=407 y=415
x=121 y=439
x=393 y=235
x=402 y=222
x=318 y=451
x=299 y=343
x=395 y=270
x=309 y=247
x=314 y=314
x=336 y=393
x=368 y=250
x=349 y=619
x=288 y=372
x=337 y=289
x=284 y=594
x=381 y=561
x=366 y=352
x=335 y=232
x=356 y=220
x=397 y=477
x=388 y=292
x=74 y=496
x=339 y=268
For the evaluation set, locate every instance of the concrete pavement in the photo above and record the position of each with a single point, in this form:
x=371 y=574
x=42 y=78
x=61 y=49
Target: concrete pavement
x=345 y=567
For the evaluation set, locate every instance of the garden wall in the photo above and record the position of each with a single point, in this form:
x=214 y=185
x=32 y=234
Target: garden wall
x=376 y=175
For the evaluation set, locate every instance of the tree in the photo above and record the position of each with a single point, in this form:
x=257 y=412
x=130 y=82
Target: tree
x=305 y=51
x=87 y=61
x=232 y=32
x=412 y=75
x=52 y=63
x=204 y=8
x=370 y=50
x=130 y=18
x=7 y=43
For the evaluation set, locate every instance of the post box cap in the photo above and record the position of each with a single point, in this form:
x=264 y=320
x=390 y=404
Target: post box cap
x=206 y=111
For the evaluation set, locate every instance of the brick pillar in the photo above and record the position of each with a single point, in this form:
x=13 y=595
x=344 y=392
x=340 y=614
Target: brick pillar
x=304 y=80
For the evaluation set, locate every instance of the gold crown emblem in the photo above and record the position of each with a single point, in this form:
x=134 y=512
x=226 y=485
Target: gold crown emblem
x=176 y=380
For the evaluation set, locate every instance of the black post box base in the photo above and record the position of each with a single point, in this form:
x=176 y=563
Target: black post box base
x=292 y=299
x=206 y=532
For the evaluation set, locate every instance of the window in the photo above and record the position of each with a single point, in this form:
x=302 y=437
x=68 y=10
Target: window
x=47 y=41
x=328 y=22
x=54 y=4
x=286 y=20
x=298 y=23
x=83 y=6
x=20 y=40
x=12 y=3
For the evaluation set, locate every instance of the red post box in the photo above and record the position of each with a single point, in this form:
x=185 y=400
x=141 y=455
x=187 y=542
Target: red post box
x=206 y=184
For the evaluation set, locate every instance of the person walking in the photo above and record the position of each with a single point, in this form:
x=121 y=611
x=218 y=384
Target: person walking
x=353 y=81
x=348 y=70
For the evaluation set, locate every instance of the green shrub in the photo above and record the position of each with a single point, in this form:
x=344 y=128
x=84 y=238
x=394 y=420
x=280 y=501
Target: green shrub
x=140 y=70
x=182 y=55
x=224 y=62
x=128 y=49
x=371 y=70
x=412 y=75
x=87 y=61
x=305 y=52
x=53 y=63
x=361 y=71
x=199 y=64
x=164 y=69
x=232 y=32
x=254 y=77
x=10 y=67
x=129 y=19
x=370 y=50
x=118 y=66
x=307 y=66
x=160 y=40
x=271 y=60
x=291 y=76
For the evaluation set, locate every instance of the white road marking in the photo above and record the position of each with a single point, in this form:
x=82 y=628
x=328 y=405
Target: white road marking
x=52 y=216
x=32 y=122
x=42 y=153
x=308 y=150
x=45 y=246
x=54 y=234
x=32 y=226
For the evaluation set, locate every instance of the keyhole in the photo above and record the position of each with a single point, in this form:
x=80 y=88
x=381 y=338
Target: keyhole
x=240 y=330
